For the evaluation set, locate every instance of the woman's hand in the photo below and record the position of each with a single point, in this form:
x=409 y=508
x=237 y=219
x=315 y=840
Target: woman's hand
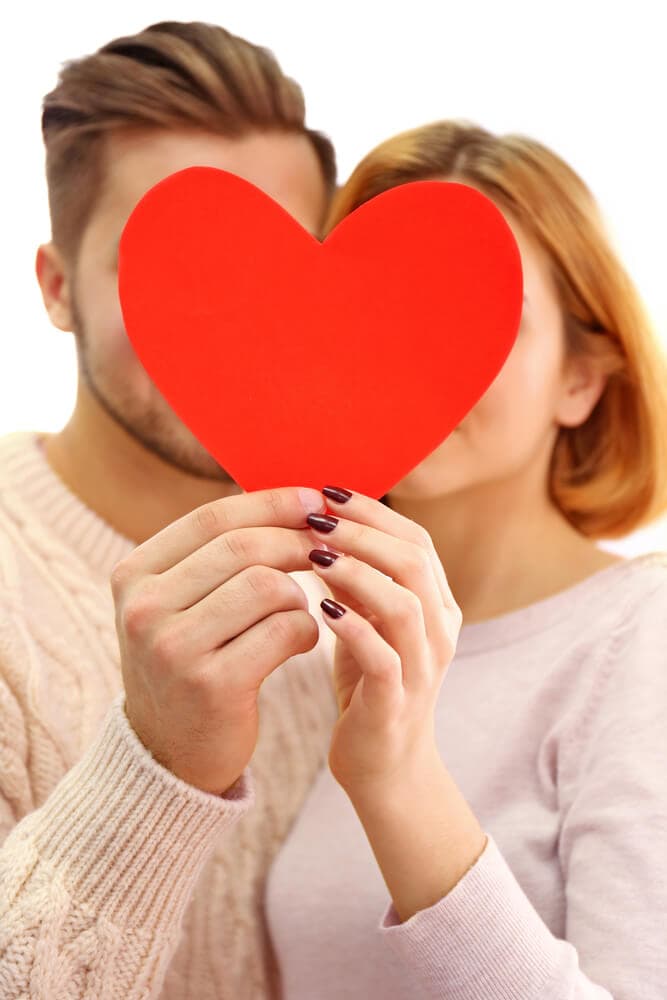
x=397 y=625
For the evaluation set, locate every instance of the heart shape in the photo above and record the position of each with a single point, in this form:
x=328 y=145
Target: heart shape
x=296 y=362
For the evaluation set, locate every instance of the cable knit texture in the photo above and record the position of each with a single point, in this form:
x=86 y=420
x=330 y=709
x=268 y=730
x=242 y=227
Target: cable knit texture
x=117 y=880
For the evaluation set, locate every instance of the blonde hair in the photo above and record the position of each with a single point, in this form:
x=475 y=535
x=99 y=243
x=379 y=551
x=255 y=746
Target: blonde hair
x=172 y=74
x=609 y=475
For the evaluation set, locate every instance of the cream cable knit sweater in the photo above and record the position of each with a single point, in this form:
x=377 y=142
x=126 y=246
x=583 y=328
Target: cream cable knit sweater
x=106 y=857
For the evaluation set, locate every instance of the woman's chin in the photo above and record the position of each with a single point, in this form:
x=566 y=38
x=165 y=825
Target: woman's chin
x=420 y=487
x=440 y=474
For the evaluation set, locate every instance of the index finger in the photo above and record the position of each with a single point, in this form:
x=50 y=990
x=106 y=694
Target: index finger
x=287 y=507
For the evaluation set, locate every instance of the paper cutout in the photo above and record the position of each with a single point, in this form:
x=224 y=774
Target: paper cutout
x=296 y=362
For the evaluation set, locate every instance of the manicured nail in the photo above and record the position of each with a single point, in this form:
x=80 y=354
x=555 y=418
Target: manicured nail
x=323 y=558
x=332 y=608
x=322 y=522
x=337 y=494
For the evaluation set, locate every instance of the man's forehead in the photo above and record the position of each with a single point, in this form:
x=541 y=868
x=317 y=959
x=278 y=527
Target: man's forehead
x=283 y=165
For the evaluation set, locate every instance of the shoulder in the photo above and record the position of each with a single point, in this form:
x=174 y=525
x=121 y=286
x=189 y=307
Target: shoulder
x=625 y=597
x=19 y=480
x=635 y=598
x=618 y=619
x=605 y=659
x=623 y=676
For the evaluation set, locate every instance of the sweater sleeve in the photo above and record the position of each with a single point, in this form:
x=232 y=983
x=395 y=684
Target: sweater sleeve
x=94 y=883
x=485 y=940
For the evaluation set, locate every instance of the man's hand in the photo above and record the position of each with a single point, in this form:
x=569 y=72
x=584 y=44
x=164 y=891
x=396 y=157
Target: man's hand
x=205 y=611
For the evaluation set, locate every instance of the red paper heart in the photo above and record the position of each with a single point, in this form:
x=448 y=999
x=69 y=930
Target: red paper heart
x=296 y=362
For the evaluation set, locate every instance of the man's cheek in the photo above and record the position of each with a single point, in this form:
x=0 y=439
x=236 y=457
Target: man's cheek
x=119 y=345
x=110 y=352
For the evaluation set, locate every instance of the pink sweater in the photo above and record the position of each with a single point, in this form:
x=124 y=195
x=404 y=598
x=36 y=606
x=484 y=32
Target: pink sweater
x=117 y=880
x=553 y=721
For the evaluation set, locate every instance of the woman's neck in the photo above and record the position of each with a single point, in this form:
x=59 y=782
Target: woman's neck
x=504 y=548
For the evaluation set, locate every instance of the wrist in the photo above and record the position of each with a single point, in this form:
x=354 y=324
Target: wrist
x=416 y=814
x=388 y=791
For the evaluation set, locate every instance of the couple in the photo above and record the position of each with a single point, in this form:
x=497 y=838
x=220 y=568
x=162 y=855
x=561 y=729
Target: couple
x=492 y=823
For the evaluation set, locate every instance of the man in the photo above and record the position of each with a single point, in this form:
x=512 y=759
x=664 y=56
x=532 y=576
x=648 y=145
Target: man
x=123 y=869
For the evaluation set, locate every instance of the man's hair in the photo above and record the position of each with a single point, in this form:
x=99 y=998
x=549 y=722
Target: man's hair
x=170 y=75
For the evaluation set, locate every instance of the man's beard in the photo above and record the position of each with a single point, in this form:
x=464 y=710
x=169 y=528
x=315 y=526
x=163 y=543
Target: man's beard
x=156 y=427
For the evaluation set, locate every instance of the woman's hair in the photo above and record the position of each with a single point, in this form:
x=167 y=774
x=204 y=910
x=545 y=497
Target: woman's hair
x=170 y=75
x=609 y=475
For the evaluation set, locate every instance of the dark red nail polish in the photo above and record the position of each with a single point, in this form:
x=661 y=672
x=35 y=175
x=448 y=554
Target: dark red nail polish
x=337 y=494
x=322 y=522
x=332 y=608
x=323 y=558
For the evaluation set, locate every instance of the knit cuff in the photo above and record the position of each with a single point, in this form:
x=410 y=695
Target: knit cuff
x=128 y=837
x=483 y=939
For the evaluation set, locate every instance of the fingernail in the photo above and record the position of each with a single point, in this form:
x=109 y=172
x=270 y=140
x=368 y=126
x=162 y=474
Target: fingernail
x=311 y=500
x=322 y=522
x=332 y=608
x=323 y=558
x=337 y=494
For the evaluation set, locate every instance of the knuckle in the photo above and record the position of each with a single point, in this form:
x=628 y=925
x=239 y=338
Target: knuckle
x=444 y=652
x=265 y=582
x=356 y=572
x=408 y=609
x=417 y=560
x=239 y=546
x=121 y=575
x=167 y=645
x=356 y=627
x=197 y=682
x=139 y=613
x=356 y=531
x=307 y=632
x=387 y=670
x=293 y=629
x=281 y=629
x=454 y=630
x=448 y=637
x=421 y=537
x=210 y=520
x=276 y=504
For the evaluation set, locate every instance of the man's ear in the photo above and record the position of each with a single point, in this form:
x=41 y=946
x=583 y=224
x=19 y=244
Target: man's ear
x=583 y=384
x=54 y=281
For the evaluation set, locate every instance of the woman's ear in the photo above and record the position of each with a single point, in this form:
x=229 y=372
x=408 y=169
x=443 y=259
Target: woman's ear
x=54 y=282
x=582 y=385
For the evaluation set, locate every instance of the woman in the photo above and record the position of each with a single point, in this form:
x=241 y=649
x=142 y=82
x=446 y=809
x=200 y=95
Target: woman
x=510 y=822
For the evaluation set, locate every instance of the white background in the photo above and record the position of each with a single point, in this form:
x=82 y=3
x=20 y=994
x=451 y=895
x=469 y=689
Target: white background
x=588 y=78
